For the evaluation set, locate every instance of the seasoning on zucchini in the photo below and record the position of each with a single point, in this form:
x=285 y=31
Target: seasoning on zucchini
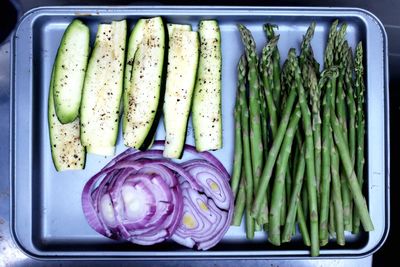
x=143 y=78
x=66 y=148
x=70 y=68
x=206 y=111
x=102 y=90
x=183 y=55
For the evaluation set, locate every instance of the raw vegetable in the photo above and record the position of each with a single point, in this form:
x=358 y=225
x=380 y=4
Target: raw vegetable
x=238 y=156
x=206 y=216
x=247 y=166
x=326 y=150
x=309 y=155
x=145 y=198
x=102 y=91
x=66 y=148
x=277 y=191
x=360 y=126
x=206 y=110
x=254 y=103
x=143 y=76
x=183 y=55
x=69 y=71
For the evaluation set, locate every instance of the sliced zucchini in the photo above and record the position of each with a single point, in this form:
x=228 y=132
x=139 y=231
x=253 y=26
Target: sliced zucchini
x=70 y=68
x=183 y=27
x=183 y=55
x=206 y=110
x=135 y=39
x=102 y=89
x=143 y=89
x=66 y=148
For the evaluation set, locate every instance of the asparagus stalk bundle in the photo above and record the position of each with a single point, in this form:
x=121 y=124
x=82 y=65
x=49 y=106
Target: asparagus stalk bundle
x=299 y=140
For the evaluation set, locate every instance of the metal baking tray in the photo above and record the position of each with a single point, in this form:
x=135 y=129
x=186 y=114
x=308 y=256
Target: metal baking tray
x=47 y=220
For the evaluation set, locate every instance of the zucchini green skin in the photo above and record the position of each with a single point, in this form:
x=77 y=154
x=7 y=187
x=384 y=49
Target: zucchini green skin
x=135 y=39
x=183 y=55
x=70 y=69
x=206 y=110
x=143 y=88
x=102 y=91
x=66 y=149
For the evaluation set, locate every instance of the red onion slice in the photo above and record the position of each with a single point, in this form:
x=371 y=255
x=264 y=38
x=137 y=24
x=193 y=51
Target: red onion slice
x=144 y=198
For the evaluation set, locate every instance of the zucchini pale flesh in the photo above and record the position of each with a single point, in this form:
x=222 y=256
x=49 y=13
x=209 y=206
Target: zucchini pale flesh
x=102 y=90
x=143 y=80
x=183 y=54
x=66 y=148
x=206 y=111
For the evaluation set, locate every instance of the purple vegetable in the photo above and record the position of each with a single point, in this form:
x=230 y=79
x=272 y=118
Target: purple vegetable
x=145 y=198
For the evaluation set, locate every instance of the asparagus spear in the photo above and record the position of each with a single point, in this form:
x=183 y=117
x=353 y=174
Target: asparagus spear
x=326 y=161
x=274 y=235
x=266 y=73
x=351 y=106
x=283 y=199
x=242 y=72
x=303 y=225
x=354 y=185
x=294 y=199
x=263 y=216
x=329 y=53
x=337 y=198
x=306 y=57
x=332 y=224
x=240 y=202
x=287 y=80
x=360 y=125
x=340 y=96
x=346 y=198
x=329 y=50
x=273 y=154
x=254 y=103
x=304 y=201
x=288 y=180
x=238 y=156
x=315 y=93
x=276 y=73
x=309 y=151
x=266 y=69
x=264 y=121
x=340 y=38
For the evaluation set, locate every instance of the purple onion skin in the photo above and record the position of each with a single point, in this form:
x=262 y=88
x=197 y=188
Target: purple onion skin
x=182 y=191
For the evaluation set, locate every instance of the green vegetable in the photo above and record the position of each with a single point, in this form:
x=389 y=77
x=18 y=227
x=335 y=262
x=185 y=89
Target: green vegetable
x=354 y=185
x=294 y=200
x=273 y=154
x=67 y=151
x=309 y=154
x=183 y=58
x=69 y=71
x=248 y=172
x=102 y=90
x=274 y=235
x=360 y=126
x=254 y=103
x=206 y=109
x=144 y=75
x=336 y=196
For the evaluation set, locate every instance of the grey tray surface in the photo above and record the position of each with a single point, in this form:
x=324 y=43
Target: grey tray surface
x=47 y=221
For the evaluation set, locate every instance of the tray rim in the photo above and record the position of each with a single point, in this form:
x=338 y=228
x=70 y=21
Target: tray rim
x=360 y=12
